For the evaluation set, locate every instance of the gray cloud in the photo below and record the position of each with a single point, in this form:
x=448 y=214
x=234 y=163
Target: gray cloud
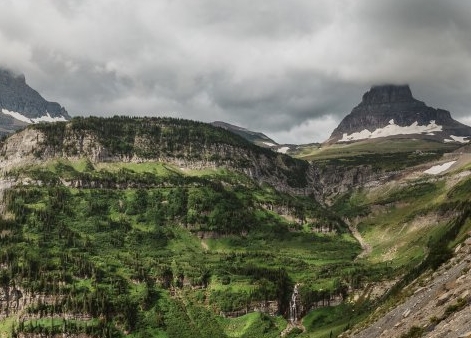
x=290 y=69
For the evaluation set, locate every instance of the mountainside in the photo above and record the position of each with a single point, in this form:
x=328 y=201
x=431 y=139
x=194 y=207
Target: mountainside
x=184 y=143
x=434 y=305
x=162 y=227
x=159 y=227
x=426 y=204
x=21 y=105
x=392 y=111
x=196 y=145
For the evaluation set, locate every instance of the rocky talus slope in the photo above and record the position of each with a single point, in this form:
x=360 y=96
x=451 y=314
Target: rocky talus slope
x=438 y=304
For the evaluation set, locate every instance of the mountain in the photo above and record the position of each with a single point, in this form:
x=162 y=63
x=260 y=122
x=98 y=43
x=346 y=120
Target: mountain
x=392 y=111
x=257 y=138
x=161 y=227
x=261 y=139
x=148 y=227
x=21 y=105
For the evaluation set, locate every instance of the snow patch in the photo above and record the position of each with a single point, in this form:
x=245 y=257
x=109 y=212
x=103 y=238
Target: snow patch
x=283 y=150
x=460 y=139
x=392 y=129
x=269 y=144
x=364 y=134
x=45 y=118
x=437 y=169
x=49 y=118
x=16 y=115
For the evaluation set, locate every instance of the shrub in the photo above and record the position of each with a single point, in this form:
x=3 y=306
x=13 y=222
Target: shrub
x=414 y=332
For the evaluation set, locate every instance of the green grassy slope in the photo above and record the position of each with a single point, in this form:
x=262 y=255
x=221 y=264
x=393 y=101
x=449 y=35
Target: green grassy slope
x=402 y=221
x=155 y=249
x=163 y=254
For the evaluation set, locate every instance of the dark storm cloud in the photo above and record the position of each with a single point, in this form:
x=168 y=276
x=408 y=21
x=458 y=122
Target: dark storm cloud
x=290 y=69
x=287 y=99
x=79 y=80
x=248 y=19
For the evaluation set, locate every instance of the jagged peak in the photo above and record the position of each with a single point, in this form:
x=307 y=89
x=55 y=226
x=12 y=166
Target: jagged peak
x=7 y=75
x=388 y=93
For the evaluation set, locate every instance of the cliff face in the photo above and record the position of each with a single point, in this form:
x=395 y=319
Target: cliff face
x=335 y=180
x=391 y=110
x=37 y=144
x=193 y=146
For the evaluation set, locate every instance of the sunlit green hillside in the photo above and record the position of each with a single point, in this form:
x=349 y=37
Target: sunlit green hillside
x=172 y=228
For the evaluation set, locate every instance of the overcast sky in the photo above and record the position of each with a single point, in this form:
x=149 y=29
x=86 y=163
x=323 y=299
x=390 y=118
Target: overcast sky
x=291 y=69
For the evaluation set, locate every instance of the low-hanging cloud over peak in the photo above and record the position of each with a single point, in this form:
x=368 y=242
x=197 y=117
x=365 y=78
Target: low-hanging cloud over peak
x=278 y=67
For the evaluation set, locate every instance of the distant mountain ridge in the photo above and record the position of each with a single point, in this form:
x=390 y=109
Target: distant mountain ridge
x=21 y=105
x=257 y=138
x=392 y=111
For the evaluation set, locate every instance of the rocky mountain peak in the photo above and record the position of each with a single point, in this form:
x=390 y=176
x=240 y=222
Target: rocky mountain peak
x=387 y=94
x=7 y=77
x=21 y=105
x=392 y=111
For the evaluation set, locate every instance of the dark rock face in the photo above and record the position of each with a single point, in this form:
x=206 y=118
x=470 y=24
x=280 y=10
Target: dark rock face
x=381 y=104
x=388 y=94
x=17 y=96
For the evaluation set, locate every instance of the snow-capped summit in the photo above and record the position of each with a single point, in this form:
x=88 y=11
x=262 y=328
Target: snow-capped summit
x=21 y=105
x=392 y=111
